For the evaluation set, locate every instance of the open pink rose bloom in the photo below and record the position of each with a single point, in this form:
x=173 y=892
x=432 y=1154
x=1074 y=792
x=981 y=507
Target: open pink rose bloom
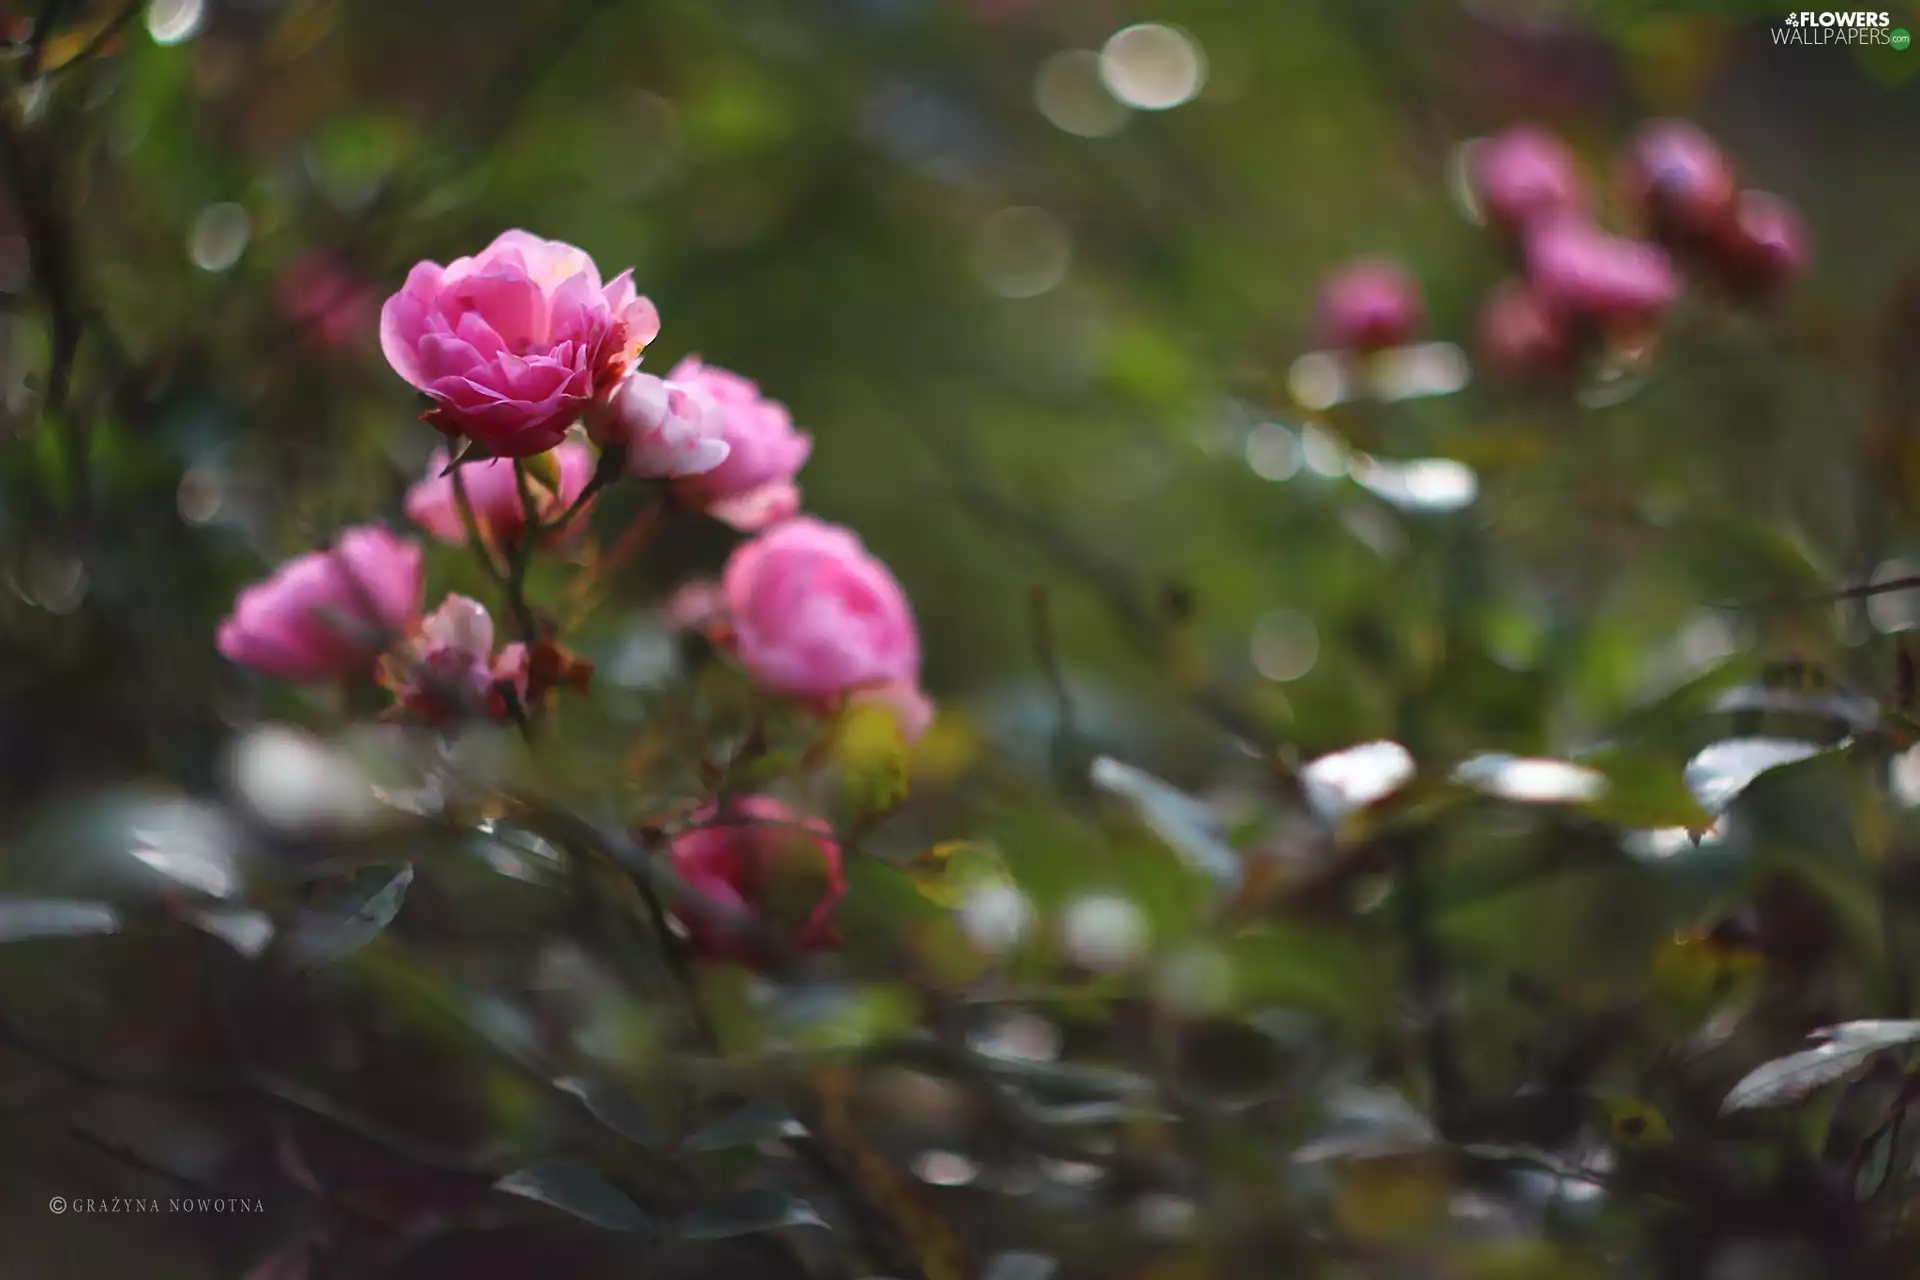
x=513 y=343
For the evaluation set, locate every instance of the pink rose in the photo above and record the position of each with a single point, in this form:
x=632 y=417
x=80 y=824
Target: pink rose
x=696 y=606
x=494 y=496
x=451 y=672
x=754 y=487
x=1519 y=335
x=1762 y=244
x=1679 y=179
x=741 y=865
x=514 y=343
x=667 y=429
x=1525 y=174
x=814 y=615
x=1369 y=304
x=327 y=614
x=1583 y=273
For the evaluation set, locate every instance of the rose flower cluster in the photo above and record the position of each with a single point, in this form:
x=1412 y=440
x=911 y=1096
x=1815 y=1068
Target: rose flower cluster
x=531 y=363
x=1579 y=286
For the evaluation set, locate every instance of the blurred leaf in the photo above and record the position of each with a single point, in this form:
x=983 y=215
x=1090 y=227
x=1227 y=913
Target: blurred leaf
x=945 y=873
x=1632 y=1122
x=246 y=931
x=23 y=918
x=873 y=758
x=1740 y=557
x=1188 y=827
x=573 y=1188
x=1841 y=1051
x=1019 y=1265
x=746 y=1212
x=1719 y=773
x=614 y=1108
x=1367 y=1123
x=543 y=469
x=751 y=1125
x=1644 y=790
x=349 y=914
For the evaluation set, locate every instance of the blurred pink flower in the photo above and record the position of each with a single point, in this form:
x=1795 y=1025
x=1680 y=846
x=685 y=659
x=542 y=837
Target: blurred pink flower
x=740 y=866
x=1368 y=304
x=513 y=343
x=327 y=614
x=814 y=615
x=1520 y=336
x=331 y=304
x=1679 y=179
x=454 y=671
x=668 y=429
x=1763 y=243
x=1524 y=174
x=696 y=606
x=754 y=486
x=494 y=495
x=1581 y=272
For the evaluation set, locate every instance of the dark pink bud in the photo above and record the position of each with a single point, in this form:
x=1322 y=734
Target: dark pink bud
x=1369 y=304
x=1582 y=273
x=1763 y=243
x=1525 y=174
x=1679 y=180
x=1520 y=337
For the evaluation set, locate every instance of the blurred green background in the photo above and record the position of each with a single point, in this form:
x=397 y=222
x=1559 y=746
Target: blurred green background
x=1046 y=345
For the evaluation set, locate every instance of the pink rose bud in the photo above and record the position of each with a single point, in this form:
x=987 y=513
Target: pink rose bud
x=696 y=606
x=668 y=430
x=1679 y=179
x=912 y=710
x=813 y=615
x=451 y=673
x=1519 y=335
x=1525 y=174
x=514 y=343
x=761 y=860
x=754 y=486
x=1763 y=244
x=328 y=614
x=1369 y=304
x=494 y=495
x=1582 y=273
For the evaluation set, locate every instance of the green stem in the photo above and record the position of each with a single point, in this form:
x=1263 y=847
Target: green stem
x=520 y=556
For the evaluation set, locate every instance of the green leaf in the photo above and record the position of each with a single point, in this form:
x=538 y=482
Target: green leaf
x=1839 y=1053
x=614 y=1108
x=873 y=760
x=751 y=1125
x=349 y=914
x=573 y=1188
x=746 y=1212
x=23 y=918
x=1185 y=825
x=1644 y=790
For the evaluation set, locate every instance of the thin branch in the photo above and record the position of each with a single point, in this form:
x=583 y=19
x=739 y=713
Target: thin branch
x=101 y=38
x=612 y=464
x=1047 y=649
x=520 y=556
x=471 y=522
x=50 y=245
x=1427 y=979
x=43 y=24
